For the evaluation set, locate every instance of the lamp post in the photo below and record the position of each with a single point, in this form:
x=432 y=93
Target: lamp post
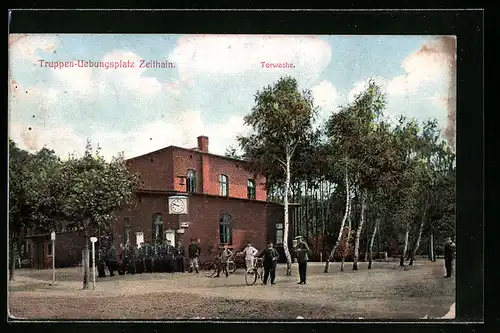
x=53 y=239
x=93 y=240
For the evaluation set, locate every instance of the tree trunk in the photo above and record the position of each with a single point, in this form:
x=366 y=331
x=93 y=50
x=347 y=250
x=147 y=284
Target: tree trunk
x=419 y=235
x=348 y=238
x=341 y=231
x=370 y=249
x=360 y=228
x=86 y=260
x=286 y=222
x=433 y=251
x=405 y=248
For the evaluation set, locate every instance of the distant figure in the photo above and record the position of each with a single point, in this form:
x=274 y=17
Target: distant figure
x=224 y=256
x=250 y=252
x=449 y=251
x=270 y=256
x=170 y=257
x=180 y=255
x=111 y=260
x=302 y=251
x=148 y=257
x=120 y=259
x=193 y=255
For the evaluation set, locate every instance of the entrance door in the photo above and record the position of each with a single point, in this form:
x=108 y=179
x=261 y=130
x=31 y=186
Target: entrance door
x=39 y=256
x=170 y=235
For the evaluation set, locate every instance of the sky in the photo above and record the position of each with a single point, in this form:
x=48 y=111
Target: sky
x=207 y=85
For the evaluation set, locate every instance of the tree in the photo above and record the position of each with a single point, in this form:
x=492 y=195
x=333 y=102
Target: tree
x=281 y=123
x=97 y=190
x=34 y=201
x=232 y=152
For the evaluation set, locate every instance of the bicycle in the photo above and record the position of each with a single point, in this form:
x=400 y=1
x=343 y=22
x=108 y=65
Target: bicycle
x=211 y=267
x=256 y=272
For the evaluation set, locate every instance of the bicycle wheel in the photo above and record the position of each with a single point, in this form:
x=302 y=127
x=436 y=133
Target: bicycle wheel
x=231 y=267
x=260 y=272
x=209 y=269
x=250 y=277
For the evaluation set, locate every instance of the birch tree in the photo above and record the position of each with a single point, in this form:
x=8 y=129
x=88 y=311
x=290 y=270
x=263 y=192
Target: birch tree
x=281 y=124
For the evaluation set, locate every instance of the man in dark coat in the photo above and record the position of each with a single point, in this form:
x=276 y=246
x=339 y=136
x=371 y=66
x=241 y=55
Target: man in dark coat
x=131 y=259
x=193 y=255
x=139 y=263
x=449 y=252
x=270 y=258
x=111 y=260
x=302 y=252
x=180 y=256
x=148 y=257
x=170 y=257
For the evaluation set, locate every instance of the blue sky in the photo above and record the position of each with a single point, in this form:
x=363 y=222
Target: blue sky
x=138 y=110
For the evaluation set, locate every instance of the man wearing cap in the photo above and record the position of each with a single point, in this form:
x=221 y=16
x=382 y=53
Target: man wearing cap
x=270 y=256
x=250 y=252
x=302 y=250
x=449 y=251
x=193 y=255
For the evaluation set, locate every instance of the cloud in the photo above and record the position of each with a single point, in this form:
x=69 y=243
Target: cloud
x=137 y=111
x=24 y=47
x=229 y=55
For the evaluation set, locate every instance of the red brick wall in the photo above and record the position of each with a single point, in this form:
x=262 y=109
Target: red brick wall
x=251 y=220
x=155 y=170
x=161 y=170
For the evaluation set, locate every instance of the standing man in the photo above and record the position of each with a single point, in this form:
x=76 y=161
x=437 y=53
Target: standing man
x=193 y=255
x=180 y=257
x=270 y=256
x=224 y=256
x=302 y=252
x=139 y=252
x=148 y=257
x=449 y=252
x=250 y=252
x=111 y=260
x=170 y=257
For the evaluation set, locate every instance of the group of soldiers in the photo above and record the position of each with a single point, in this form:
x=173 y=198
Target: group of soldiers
x=149 y=258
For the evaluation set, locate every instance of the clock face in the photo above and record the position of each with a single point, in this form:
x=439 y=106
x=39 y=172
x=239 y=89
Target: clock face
x=177 y=205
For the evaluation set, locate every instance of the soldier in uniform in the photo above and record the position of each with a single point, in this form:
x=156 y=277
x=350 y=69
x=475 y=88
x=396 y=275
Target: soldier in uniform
x=111 y=260
x=193 y=255
x=131 y=259
x=148 y=257
x=120 y=259
x=270 y=256
x=139 y=252
x=449 y=251
x=169 y=257
x=180 y=257
x=302 y=252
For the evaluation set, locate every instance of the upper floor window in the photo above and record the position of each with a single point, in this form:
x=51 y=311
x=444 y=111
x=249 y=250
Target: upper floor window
x=157 y=228
x=226 y=230
x=224 y=185
x=251 y=189
x=126 y=236
x=191 y=181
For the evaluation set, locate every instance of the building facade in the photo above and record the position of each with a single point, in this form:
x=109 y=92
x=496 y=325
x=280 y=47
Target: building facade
x=226 y=204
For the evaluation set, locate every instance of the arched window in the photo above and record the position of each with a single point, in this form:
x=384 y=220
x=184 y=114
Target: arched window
x=157 y=228
x=191 y=181
x=225 y=229
x=251 y=189
x=224 y=185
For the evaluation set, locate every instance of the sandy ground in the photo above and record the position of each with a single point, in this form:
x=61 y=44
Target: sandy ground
x=385 y=292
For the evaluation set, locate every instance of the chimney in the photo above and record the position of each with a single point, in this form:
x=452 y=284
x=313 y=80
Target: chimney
x=203 y=143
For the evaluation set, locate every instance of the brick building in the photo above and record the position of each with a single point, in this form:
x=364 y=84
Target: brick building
x=225 y=202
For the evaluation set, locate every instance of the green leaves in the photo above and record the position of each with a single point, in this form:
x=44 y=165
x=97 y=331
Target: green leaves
x=46 y=192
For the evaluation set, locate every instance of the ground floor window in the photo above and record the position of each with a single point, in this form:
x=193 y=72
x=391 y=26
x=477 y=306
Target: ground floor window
x=225 y=229
x=279 y=233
